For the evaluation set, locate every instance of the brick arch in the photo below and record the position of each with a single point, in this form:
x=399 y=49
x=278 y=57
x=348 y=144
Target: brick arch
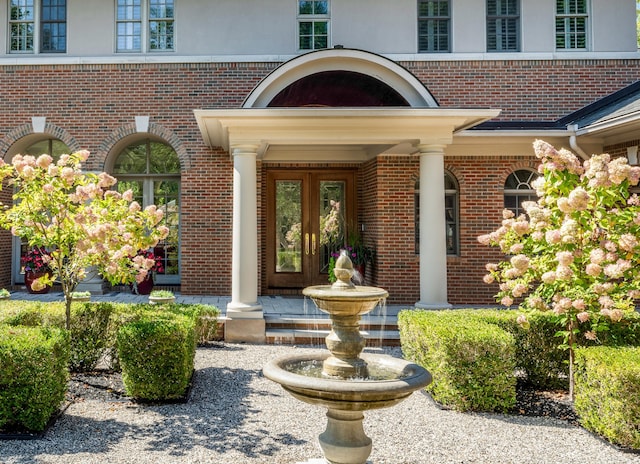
x=26 y=130
x=128 y=133
x=520 y=165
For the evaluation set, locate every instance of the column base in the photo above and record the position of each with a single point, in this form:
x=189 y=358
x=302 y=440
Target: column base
x=245 y=326
x=424 y=305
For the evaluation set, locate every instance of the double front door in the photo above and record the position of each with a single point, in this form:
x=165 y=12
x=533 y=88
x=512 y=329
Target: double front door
x=309 y=216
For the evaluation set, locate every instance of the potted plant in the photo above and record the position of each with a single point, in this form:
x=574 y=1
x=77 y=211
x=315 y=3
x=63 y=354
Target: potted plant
x=35 y=264
x=80 y=296
x=161 y=297
x=4 y=294
x=359 y=254
x=146 y=286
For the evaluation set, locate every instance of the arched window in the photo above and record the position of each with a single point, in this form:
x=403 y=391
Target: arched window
x=151 y=169
x=518 y=189
x=451 y=202
x=53 y=148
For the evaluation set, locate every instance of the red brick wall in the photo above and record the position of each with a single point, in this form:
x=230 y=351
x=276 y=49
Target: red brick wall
x=90 y=104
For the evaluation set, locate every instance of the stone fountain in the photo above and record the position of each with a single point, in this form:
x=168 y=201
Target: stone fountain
x=344 y=380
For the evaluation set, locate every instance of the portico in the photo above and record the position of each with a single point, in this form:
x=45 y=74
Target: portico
x=327 y=135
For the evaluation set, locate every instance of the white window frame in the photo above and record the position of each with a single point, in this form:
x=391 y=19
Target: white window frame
x=36 y=23
x=437 y=19
x=570 y=37
x=144 y=23
x=498 y=19
x=313 y=18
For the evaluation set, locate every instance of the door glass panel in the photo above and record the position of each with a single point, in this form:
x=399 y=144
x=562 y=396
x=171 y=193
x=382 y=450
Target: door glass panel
x=332 y=220
x=288 y=226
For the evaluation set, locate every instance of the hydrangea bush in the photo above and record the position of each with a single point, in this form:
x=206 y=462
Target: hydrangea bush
x=576 y=251
x=79 y=220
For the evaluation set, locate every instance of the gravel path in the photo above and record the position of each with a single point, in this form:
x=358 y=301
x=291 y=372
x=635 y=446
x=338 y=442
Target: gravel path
x=235 y=415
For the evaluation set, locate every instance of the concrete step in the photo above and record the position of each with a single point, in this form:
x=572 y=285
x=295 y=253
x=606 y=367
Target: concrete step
x=290 y=330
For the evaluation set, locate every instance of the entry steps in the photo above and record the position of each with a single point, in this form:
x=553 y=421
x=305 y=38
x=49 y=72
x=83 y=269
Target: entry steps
x=312 y=330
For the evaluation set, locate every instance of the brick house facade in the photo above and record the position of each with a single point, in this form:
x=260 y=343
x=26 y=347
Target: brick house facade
x=93 y=104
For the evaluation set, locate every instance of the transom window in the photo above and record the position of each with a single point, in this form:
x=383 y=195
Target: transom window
x=571 y=24
x=24 y=19
x=503 y=25
x=518 y=189
x=151 y=170
x=145 y=21
x=313 y=24
x=434 y=26
x=451 y=208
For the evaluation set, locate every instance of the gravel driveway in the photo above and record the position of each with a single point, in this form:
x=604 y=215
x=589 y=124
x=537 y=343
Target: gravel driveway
x=235 y=415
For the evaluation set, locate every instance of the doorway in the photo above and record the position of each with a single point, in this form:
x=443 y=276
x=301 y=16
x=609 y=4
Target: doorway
x=309 y=215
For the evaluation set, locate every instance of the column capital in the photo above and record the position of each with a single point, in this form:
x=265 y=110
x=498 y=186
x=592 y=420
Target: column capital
x=430 y=149
x=245 y=149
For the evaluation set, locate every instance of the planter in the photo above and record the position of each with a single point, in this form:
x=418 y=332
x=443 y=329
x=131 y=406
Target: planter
x=161 y=299
x=144 y=287
x=29 y=277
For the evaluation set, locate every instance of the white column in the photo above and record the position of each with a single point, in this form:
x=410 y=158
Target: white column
x=433 y=246
x=245 y=321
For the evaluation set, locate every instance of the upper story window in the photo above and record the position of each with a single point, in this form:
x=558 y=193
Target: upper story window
x=503 y=25
x=149 y=22
x=29 y=26
x=434 y=26
x=571 y=24
x=313 y=24
x=518 y=189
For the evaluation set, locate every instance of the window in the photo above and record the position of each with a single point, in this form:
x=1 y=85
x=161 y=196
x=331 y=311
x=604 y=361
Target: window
x=571 y=24
x=22 y=26
x=53 y=26
x=503 y=25
x=132 y=15
x=313 y=24
x=452 y=220
x=151 y=170
x=54 y=148
x=434 y=26
x=518 y=189
x=23 y=23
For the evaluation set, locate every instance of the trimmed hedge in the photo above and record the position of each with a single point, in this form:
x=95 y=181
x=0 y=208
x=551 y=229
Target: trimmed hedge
x=472 y=362
x=33 y=375
x=157 y=356
x=607 y=393
x=89 y=323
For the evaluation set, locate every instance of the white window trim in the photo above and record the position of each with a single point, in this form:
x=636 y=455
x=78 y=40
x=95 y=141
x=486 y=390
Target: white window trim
x=587 y=40
x=37 y=31
x=145 y=36
x=312 y=18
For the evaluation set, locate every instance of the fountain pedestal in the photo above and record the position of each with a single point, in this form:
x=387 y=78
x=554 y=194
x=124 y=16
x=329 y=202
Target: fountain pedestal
x=344 y=440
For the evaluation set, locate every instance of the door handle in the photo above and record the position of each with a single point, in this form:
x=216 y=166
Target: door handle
x=306 y=243
x=313 y=244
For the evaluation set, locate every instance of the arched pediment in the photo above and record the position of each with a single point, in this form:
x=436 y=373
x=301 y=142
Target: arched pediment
x=348 y=78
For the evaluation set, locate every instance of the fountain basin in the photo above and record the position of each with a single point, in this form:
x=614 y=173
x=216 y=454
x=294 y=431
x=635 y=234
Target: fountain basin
x=352 y=394
x=340 y=302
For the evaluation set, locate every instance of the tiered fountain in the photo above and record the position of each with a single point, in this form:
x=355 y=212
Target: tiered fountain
x=343 y=380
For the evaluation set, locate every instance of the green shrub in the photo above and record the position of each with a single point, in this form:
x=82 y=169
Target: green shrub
x=33 y=375
x=206 y=319
x=157 y=356
x=472 y=362
x=607 y=395
x=89 y=323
